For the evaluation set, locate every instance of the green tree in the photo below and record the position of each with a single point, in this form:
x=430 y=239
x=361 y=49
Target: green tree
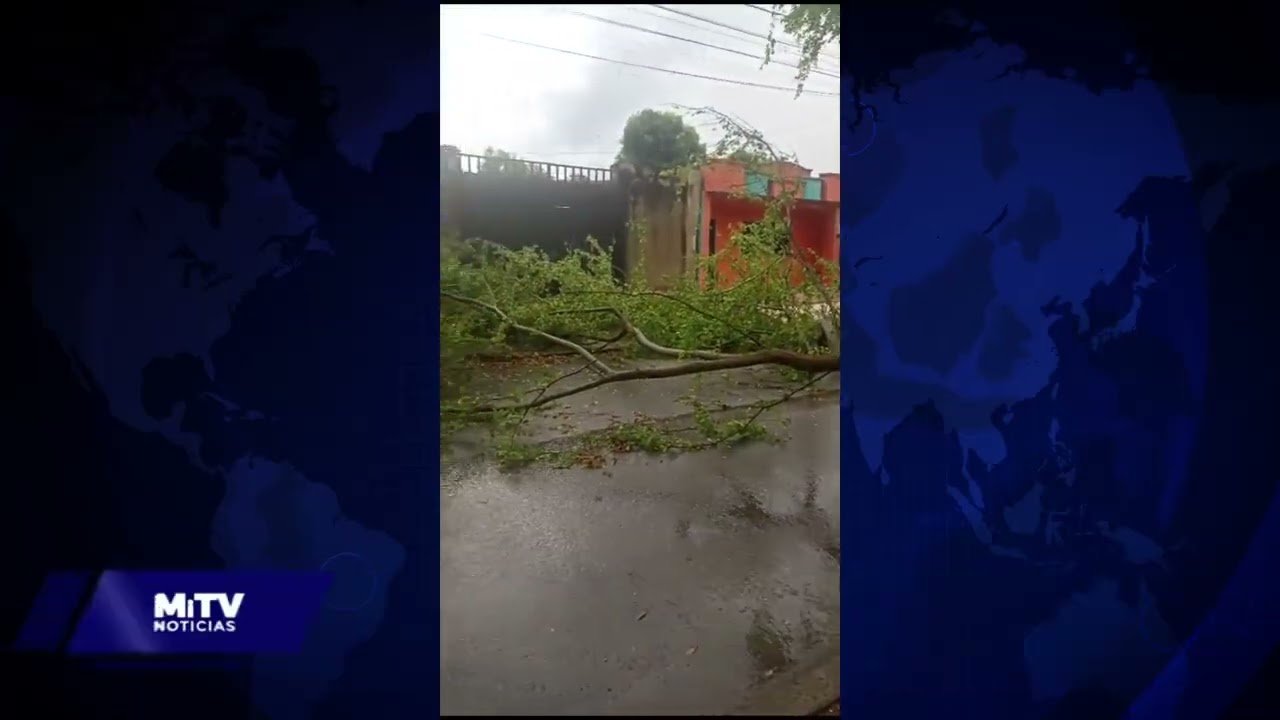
x=654 y=141
x=501 y=161
x=747 y=157
x=813 y=27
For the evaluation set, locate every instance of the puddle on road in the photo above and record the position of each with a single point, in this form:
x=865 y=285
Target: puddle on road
x=726 y=552
x=768 y=646
x=750 y=508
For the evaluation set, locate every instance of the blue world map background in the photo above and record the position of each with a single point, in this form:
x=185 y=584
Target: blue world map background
x=1041 y=500
x=1004 y=335
x=231 y=285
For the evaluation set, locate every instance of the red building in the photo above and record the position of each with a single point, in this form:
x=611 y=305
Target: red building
x=724 y=198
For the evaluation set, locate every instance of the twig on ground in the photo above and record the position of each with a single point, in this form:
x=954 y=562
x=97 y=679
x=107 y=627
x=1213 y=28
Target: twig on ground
x=761 y=408
x=565 y=376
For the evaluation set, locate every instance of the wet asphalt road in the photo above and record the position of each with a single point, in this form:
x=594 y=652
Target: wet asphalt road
x=655 y=585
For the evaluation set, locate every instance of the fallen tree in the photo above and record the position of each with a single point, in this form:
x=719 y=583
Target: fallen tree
x=758 y=302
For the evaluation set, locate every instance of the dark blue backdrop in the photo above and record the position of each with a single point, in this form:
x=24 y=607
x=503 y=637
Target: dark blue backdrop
x=221 y=229
x=1058 y=474
x=1058 y=489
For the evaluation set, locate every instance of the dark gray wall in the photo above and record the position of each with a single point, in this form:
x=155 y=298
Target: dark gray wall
x=518 y=210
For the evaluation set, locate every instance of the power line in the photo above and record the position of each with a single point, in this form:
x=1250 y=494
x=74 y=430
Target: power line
x=819 y=69
x=678 y=21
x=717 y=23
x=744 y=83
x=723 y=25
x=706 y=29
x=629 y=26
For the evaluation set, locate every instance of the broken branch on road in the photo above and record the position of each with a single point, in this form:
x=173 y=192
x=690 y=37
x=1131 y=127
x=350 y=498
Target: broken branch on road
x=706 y=361
x=757 y=302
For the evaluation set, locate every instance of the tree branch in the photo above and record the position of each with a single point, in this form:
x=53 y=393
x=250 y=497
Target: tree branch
x=788 y=395
x=676 y=299
x=782 y=358
x=648 y=344
x=598 y=365
x=565 y=376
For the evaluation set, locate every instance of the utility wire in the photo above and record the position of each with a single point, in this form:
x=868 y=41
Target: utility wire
x=821 y=70
x=744 y=83
x=743 y=53
x=714 y=31
x=717 y=23
x=678 y=21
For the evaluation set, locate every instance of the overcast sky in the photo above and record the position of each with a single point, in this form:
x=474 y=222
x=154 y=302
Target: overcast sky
x=547 y=105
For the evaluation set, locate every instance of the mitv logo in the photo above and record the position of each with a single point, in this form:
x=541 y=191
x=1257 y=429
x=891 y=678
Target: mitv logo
x=196 y=613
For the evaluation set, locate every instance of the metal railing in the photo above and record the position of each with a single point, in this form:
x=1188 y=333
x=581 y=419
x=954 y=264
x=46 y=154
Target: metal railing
x=484 y=164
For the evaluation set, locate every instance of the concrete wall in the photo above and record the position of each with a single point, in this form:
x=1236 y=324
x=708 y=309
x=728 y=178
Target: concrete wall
x=724 y=176
x=785 y=178
x=693 y=220
x=830 y=186
x=659 y=220
x=831 y=191
x=450 y=191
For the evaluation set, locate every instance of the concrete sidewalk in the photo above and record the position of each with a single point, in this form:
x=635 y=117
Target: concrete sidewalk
x=701 y=583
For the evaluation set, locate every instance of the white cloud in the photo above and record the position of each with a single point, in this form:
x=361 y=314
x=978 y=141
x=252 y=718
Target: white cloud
x=547 y=105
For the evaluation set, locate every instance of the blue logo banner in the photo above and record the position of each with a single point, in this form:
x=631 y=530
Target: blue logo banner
x=162 y=613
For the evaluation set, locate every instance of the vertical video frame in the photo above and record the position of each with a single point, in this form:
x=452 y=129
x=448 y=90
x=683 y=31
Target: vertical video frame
x=640 y=321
